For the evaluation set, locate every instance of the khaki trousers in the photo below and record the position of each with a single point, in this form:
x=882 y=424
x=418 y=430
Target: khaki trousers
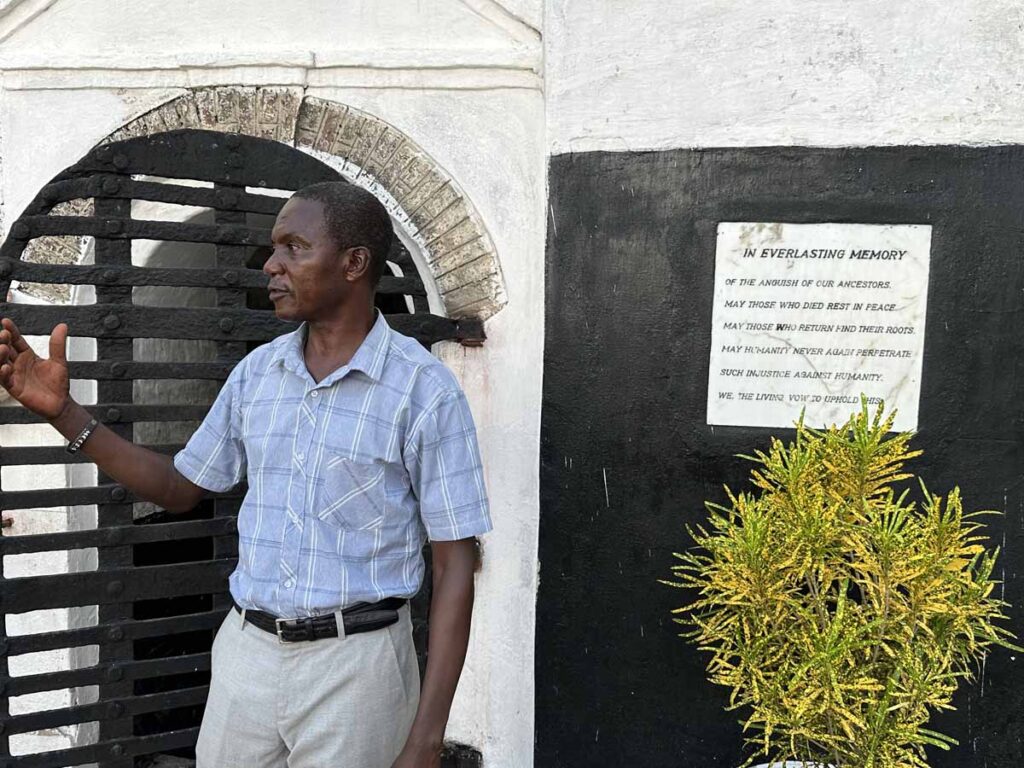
x=331 y=703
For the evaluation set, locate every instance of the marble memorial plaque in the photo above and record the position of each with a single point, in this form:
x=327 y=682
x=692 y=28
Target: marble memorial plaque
x=810 y=316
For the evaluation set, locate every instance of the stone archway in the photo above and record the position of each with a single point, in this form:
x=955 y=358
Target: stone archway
x=420 y=194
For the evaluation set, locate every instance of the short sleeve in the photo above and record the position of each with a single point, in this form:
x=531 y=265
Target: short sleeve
x=442 y=457
x=214 y=457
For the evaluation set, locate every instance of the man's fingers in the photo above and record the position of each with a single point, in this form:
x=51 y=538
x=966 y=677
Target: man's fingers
x=58 y=344
x=17 y=340
x=6 y=372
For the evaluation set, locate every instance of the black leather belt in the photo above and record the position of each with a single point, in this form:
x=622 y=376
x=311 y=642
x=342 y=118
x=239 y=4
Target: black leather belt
x=361 y=617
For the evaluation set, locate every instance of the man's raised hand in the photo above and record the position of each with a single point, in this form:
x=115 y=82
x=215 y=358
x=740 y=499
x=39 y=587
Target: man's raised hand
x=40 y=385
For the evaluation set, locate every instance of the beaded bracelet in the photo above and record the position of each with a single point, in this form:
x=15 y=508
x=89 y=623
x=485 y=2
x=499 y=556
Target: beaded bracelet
x=75 y=444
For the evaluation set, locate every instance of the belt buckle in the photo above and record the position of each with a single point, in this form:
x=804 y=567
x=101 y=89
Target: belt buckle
x=280 y=637
x=305 y=624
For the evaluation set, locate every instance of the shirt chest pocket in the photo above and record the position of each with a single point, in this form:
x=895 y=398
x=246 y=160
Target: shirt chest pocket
x=352 y=494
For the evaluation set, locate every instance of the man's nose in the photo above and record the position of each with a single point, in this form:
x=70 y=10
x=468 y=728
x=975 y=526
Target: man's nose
x=272 y=266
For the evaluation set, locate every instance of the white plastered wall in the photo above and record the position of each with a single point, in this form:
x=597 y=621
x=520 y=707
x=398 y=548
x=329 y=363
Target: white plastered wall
x=649 y=74
x=479 y=115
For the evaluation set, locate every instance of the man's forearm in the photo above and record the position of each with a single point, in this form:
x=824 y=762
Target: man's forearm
x=451 y=610
x=147 y=474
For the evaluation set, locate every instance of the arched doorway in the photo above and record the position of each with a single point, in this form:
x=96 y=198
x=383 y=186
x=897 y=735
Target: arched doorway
x=154 y=577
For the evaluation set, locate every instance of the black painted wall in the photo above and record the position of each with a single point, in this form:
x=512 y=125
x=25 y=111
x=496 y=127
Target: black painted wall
x=627 y=457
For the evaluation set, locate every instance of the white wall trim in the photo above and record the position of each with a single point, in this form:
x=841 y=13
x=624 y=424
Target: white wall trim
x=516 y=67
x=521 y=55
x=15 y=14
x=500 y=16
x=411 y=78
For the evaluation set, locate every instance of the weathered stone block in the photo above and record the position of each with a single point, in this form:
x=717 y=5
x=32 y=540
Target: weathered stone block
x=130 y=131
x=181 y=112
x=396 y=165
x=387 y=145
x=80 y=207
x=431 y=180
x=370 y=133
x=452 y=216
x=231 y=110
x=309 y=121
x=479 y=294
x=466 y=274
x=444 y=261
x=276 y=113
x=463 y=232
x=413 y=175
x=436 y=204
x=207 y=108
x=244 y=105
x=327 y=141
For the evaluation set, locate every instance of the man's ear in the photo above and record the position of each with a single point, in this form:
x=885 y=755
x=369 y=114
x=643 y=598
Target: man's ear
x=357 y=263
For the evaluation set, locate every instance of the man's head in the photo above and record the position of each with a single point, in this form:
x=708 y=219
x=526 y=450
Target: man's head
x=330 y=245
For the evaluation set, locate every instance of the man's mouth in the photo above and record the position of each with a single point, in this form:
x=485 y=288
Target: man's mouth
x=276 y=293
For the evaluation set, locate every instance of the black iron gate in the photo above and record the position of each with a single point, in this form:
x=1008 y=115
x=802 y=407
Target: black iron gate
x=160 y=583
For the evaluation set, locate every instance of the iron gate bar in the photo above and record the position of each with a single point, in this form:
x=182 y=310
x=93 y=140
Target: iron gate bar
x=115 y=412
x=134 y=630
x=66 y=497
x=228 y=256
x=60 y=497
x=111 y=586
x=104 y=673
x=124 y=321
x=129 y=705
x=112 y=512
x=207 y=156
x=110 y=185
x=55 y=454
x=108 y=537
x=115 y=228
x=5 y=710
x=400 y=256
x=135 y=369
x=108 y=176
x=32 y=272
x=108 y=753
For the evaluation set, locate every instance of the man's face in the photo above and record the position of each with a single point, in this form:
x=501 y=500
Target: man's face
x=309 y=277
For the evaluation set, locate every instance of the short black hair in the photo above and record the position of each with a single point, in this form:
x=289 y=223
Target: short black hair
x=354 y=217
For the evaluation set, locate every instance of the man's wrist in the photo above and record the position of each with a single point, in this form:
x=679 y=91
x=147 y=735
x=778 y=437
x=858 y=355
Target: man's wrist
x=425 y=739
x=71 y=419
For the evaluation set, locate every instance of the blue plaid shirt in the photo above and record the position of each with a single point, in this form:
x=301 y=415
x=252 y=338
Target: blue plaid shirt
x=346 y=476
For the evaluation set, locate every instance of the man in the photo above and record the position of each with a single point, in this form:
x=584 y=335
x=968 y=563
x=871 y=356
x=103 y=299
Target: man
x=356 y=443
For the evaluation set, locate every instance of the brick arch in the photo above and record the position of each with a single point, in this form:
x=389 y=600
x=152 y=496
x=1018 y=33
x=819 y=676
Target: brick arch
x=419 y=193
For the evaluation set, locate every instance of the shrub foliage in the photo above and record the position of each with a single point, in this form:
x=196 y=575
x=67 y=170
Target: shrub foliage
x=840 y=612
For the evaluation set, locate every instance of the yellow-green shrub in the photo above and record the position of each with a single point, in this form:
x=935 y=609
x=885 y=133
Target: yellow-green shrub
x=840 y=613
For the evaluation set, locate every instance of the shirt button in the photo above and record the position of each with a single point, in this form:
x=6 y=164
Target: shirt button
x=315 y=393
x=288 y=584
x=300 y=456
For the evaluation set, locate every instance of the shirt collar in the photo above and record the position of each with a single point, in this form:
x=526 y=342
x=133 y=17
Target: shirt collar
x=368 y=358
